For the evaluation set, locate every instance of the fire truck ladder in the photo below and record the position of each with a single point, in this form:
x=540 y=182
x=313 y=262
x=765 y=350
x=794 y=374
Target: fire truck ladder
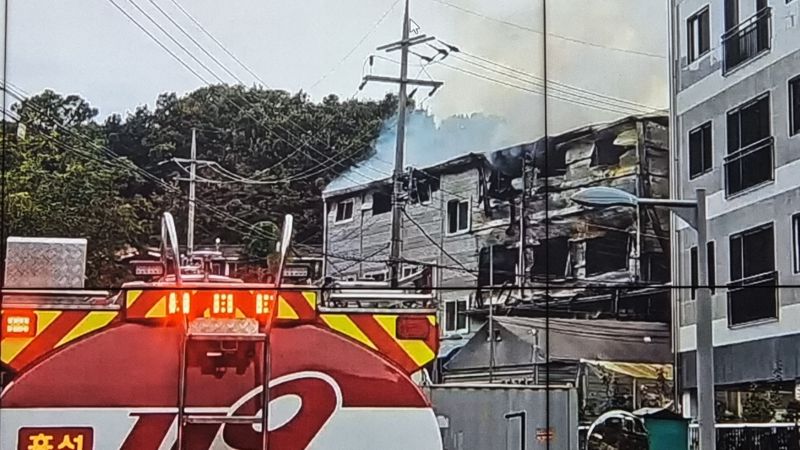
x=222 y=338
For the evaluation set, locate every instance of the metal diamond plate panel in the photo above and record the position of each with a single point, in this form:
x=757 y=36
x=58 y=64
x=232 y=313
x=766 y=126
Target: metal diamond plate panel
x=42 y=263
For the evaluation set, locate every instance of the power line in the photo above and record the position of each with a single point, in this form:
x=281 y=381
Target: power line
x=175 y=41
x=328 y=158
x=550 y=34
x=160 y=44
x=130 y=167
x=355 y=47
x=432 y=241
x=216 y=41
x=191 y=38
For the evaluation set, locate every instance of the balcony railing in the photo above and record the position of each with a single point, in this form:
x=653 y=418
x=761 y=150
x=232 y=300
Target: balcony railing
x=753 y=299
x=749 y=166
x=752 y=436
x=746 y=40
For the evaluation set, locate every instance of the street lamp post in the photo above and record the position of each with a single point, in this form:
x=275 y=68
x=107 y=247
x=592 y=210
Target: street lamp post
x=694 y=213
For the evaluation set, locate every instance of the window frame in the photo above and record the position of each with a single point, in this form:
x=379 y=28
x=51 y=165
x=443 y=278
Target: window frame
x=692 y=35
x=795 y=243
x=793 y=86
x=737 y=284
x=456 y=329
x=703 y=128
x=458 y=209
x=744 y=151
x=336 y=219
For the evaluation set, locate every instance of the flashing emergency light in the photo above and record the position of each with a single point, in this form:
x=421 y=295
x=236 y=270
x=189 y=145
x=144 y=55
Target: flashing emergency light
x=227 y=304
x=19 y=324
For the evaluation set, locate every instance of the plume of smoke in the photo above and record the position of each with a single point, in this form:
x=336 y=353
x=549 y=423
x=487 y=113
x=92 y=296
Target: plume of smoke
x=429 y=143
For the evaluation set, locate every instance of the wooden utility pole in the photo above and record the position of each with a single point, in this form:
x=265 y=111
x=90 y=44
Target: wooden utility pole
x=397 y=193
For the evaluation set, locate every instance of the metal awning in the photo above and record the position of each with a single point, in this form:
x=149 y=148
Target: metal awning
x=635 y=370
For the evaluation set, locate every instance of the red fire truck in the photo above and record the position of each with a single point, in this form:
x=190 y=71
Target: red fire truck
x=197 y=361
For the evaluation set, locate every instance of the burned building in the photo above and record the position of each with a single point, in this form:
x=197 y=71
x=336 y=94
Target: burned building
x=466 y=220
x=579 y=260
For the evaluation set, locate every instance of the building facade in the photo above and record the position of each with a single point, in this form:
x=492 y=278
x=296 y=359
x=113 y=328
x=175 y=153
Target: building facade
x=463 y=219
x=736 y=104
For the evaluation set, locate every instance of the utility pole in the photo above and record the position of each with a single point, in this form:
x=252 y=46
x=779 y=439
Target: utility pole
x=192 y=194
x=403 y=45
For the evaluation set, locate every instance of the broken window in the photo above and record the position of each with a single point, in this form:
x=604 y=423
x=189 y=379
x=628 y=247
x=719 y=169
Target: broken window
x=422 y=188
x=607 y=253
x=550 y=258
x=455 y=316
x=497 y=265
x=752 y=295
x=344 y=210
x=381 y=203
x=606 y=153
x=457 y=216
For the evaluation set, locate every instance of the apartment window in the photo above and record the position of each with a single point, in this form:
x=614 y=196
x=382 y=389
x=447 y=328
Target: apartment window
x=796 y=242
x=794 y=106
x=455 y=316
x=752 y=295
x=381 y=203
x=750 y=146
x=700 y=150
x=699 y=35
x=711 y=271
x=344 y=210
x=746 y=40
x=457 y=216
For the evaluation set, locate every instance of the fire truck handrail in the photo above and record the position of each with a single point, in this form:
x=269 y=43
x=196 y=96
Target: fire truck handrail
x=55 y=292
x=356 y=310
x=61 y=306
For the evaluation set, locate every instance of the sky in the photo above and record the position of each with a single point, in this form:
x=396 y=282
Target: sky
x=596 y=52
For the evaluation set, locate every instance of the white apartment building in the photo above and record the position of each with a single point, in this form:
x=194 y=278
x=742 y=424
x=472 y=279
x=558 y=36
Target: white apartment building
x=735 y=70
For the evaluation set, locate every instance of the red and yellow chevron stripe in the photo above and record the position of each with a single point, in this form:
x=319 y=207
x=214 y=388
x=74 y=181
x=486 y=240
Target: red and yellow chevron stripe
x=297 y=305
x=379 y=332
x=54 y=329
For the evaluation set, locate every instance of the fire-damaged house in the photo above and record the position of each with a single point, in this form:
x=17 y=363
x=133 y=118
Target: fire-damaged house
x=466 y=219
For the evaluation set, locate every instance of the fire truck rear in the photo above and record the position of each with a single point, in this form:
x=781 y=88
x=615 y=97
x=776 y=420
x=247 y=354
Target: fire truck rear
x=196 y=361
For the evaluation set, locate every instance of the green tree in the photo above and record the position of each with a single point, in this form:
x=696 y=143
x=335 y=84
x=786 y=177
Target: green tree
x=294 y=145
x=61 y=184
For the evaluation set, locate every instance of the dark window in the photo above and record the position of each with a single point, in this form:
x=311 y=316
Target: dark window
x=457 y=216
x=344 y=210
x=497 y=265
x=731 y=14
x=699 y=35
x=700 y=150
x=750 y=146
x=550 y=258
x=455 y=317
x=712 y=269
x=381 y=203
x=796 y=242
x=794 y=106
x=607 y=253
x=606 y=153
x=744 y=41
x=695 y=277
x=752 y=294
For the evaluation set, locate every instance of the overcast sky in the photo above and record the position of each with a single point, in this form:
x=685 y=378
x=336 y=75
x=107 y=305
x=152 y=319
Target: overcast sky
x=605 y=47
